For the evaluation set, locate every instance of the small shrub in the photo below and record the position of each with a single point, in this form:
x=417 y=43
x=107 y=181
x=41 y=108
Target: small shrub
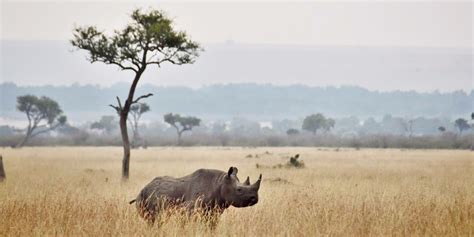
x=294 y=162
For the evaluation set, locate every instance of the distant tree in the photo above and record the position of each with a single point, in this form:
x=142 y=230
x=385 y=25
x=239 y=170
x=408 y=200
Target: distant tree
x=394 y=125
x=348 y=124
x=44 y=115
x=181 y=124
x=316 y=122
x=408 y=126
x=137 y=110
x=292 y=132
x=106 y=124
x=149 y=40
x=281 y=126
x=472 y=116
x=461 y=124
x=370 y=125
x=441 y=129
x=242 y=126
x=219 y=127
x=329 y=124
x=220 y=132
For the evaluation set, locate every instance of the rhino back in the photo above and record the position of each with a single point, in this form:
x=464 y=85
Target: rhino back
x=203 y=183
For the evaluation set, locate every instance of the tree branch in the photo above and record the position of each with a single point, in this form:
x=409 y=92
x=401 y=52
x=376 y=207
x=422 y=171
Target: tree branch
x=142 y=97
x=115 y=107
x=45 y=130
x=119 y=103
x=29 y=117
x=176 y=126
x=121 y=66
x=167 y=58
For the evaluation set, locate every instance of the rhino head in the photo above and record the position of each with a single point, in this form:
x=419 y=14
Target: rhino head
x=239 y=194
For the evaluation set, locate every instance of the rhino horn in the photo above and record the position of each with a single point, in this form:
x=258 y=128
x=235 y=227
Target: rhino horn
x=247 y=181
x=256 y=185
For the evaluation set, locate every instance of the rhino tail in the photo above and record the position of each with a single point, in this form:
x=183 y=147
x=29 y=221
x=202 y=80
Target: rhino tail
x=134 y=200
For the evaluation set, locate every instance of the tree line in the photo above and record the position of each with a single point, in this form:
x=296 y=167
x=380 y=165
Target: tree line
x=46 y=116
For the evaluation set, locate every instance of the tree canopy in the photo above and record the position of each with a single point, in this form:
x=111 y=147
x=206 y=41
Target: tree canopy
x=316 y=122
x=43 y=114
x=148 y=40
x=181 y=124
x=136 y=112
x=461 y=124
x=106 y=123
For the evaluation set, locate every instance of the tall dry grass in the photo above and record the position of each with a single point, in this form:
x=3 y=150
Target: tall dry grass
x=78 y=192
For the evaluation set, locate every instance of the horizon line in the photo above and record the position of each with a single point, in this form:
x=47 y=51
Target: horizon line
x=78 y=84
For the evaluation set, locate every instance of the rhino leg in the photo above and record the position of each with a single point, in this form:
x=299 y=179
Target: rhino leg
x=210 y=216
x=148 y=211
x=149 y=206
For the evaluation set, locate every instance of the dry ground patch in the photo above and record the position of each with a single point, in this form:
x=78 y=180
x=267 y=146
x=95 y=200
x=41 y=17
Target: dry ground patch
x=77 y=191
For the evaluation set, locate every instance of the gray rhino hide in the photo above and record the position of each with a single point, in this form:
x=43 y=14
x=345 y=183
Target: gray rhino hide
x=209 y=190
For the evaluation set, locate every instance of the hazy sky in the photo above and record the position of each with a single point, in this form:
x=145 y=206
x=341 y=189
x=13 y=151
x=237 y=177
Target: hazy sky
x=356 y=23
x=348 y=23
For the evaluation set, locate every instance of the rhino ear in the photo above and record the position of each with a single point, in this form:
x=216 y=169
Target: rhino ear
x=232 y=171
x=247 y=181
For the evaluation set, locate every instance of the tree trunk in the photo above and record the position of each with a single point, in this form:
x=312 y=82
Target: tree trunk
x=136 y=136
x=126 y=145
x=179 y=138
x=2 y=171
x=27 y=137
x=123 y=124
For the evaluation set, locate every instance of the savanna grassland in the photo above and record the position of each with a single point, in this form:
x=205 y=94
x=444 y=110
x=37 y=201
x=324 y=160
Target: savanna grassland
x=368 y=192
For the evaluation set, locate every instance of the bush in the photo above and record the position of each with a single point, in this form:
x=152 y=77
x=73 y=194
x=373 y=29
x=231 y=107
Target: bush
x=84 y=138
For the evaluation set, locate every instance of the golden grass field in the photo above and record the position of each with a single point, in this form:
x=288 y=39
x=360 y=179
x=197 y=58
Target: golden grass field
x=77 y=191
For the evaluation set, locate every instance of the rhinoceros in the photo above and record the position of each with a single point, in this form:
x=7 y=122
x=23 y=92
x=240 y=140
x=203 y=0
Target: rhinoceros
x=205 y=189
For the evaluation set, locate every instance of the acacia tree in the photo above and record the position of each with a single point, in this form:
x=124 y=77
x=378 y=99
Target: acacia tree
x=219 y=129
x=106 y=124
x=136 y=112
x=329 y=124
x=181 y=124
x=315 y=122
x=461 y=124
x=408 y=126
x=148 y=40
x=43 y=114
x=292 y=132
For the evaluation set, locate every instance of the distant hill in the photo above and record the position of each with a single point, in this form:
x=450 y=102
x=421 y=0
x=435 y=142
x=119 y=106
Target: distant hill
x=280 y=71
x=262 y=102
x=374 y=68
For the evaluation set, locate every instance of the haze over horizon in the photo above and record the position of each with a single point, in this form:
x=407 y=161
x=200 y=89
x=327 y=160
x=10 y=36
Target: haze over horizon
x=381 y=46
